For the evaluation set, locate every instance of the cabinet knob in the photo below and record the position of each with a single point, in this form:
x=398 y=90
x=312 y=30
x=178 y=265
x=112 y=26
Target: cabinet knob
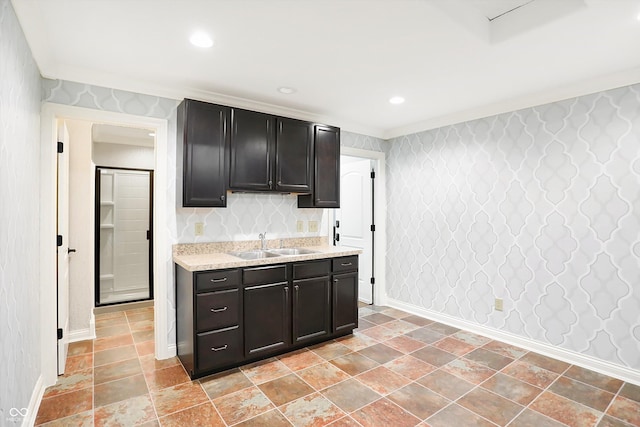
x=279 y=183
x=218 y=310
x=222 y=197
x=270 y=183
x=224 y=347
x=335 y=280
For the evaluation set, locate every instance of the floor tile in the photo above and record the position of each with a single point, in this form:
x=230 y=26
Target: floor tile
x=130 y=412
x=511 y=388
x=344 y=422
x=142 y=336
x=455 y=415
x=400 y=326
x=417 y=320
x=113 y=355
x=378 y=318
x=312 y=410
x=112 y=342
x=380 y=333
x=433 y=356
x=300 y=359
x=395 y=313
x=630 y=391
x=545 y=362
x=330 y=350
x=505 y=349
x=354 y=363
x=488 y=358
x=242 y=405
x=150 y=363
x=531 y=374
x=265 y=370
x=595 y=379
x=80 y=347
x=410 y=367
x=115 y=371
x=425 y=335
x=285 y=389
x=70 y=382
x=380 y=353
x=363 y=324
x=608 y=421
x=78 y=363
x=382 y=380
x=626 y=410
x=273 y=418
x=65 y=405
x=582 y=393
x=224 y=383
x=405 y=344
x=123 y=389
x=139 y=316
x=383 y=412
x=418 y=400
x=565 y=411
x=323 y=375
x=201 y=415
x=469 y=370
x=143 y=325
x=145 y=348
x=490 y=406
x=350 y=395
x=112 y=330
x=446 y=384
x=442 y=329
x=177 y=398
x=454 y=346
x=529 y=418
x=357 y=342
x=167 y=377
x=471 y=338
x=83 y=419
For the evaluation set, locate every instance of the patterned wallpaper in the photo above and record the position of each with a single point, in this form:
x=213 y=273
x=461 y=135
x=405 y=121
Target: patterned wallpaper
x=19 y=234
x=540 y=207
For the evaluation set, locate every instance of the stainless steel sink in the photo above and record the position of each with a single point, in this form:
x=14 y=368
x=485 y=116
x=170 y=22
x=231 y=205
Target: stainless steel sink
x=258 y=254
x=292 y=251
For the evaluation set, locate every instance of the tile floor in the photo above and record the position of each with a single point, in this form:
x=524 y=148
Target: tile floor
x=396 y=370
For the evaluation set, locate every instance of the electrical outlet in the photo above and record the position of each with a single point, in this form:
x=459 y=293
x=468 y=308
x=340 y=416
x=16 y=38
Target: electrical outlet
x=300 y=226
x=199 y=229
x=499 y=304
x=313 y=226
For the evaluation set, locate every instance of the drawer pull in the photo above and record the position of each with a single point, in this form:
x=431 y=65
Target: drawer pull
x=224 y=279
x=346 y=264
x=224 y=347
x=218 y=310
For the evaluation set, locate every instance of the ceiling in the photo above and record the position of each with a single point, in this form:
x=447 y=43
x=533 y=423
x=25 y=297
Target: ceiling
x=452 y=60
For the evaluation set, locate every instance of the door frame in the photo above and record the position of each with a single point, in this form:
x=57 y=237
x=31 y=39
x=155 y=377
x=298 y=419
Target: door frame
x=380 y=207
x=48 y=156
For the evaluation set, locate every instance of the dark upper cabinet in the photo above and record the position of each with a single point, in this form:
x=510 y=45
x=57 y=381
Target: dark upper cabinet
x=252 y=151
x=325 y=192
x=202 y=139
x=294 y=144
x=269 y=153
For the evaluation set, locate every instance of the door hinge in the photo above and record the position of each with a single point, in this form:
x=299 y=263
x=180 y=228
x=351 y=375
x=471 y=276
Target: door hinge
x=59 y=240
x=60 y=147
x=373 y=174
x=337 y=223
x=373 y=280
x=337 y=237
x=373 y=227
x=148 y=234
x=59 y=333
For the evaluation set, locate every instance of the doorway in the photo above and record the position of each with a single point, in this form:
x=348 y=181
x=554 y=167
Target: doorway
x=123 y=235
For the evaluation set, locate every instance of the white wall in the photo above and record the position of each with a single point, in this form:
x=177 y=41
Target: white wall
x=20 y=348
x=123 y=156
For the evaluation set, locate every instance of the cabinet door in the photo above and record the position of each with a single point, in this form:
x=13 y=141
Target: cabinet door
x=202 y=141
x=311 y=309
x=345 y=302
x=326 y=176
x=267 y=321
x=252 y=151
x=294 y=140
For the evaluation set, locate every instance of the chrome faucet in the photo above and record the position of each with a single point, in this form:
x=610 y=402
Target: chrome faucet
x=263 y=242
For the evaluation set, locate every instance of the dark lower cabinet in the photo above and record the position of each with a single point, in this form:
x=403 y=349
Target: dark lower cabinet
x=226 y=318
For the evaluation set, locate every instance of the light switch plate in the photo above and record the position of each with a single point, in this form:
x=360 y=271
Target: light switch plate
x=300 y=226
x=313 y=226
x=199 y=229
x=499 y=304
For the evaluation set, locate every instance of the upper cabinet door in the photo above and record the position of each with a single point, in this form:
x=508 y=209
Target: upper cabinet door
x=294 y=144
x=326 y=176
x=202 y=140
x=252 y=150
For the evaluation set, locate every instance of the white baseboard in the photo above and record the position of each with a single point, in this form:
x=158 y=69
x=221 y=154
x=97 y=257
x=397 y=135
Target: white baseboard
x=82 y=334
x=34 y=403
x=572 y=357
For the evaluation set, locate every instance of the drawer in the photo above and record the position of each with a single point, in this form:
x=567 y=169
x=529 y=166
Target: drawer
x=217 y=279
x=219 y=348
x=347 y=263
x=218 y=309
x=306 y=270
x=265 y=275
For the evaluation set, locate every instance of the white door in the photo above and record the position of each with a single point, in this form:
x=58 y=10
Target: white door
x=63 y=250
x=355 y=217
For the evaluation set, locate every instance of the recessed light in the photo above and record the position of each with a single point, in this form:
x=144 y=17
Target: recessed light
x=286 y=90
x=396 y=100
x=201 y=39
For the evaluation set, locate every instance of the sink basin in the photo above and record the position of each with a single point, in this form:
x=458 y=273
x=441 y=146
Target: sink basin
x=254 y=254
x=292 y=251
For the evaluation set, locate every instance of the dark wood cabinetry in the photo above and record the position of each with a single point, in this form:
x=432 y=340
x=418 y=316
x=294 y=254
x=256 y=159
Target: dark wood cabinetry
x=326 y=176
x=294 y=155
x=252 y=151
x=226 y=318
x=202 y=145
